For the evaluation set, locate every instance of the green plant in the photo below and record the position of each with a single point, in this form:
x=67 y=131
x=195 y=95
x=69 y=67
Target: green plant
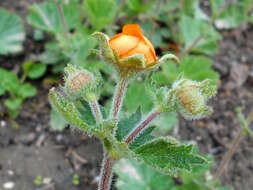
x=17 y=91
x=131 y=136
x=12 y=32
x=75 y=180
x=133 y=175
x=38 y=180
x=12 y=35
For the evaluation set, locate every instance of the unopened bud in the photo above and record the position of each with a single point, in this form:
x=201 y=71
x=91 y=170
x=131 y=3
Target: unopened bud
x=79 y=82
x=191 y=98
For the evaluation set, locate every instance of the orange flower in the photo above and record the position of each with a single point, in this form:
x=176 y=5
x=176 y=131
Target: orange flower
x=131 y=41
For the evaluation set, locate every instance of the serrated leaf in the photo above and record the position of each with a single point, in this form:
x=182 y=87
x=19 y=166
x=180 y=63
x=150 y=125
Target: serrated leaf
x=167 y=155
x=127 y=124
x=45 y=16
x=142 y=138
x=12 y=33
x=135 y=176
x=100 y=12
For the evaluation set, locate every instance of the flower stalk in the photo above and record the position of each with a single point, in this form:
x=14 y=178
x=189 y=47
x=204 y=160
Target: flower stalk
x=118 y=97
x=142 y=126
x=106 y=173
x=96 y=111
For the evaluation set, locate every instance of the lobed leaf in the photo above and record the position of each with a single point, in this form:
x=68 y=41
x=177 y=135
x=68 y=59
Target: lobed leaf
x=100 y=12
x=12 y=33
x=168 y=155
x=45 y=16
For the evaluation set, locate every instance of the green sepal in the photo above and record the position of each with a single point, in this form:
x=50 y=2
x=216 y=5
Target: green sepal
x=167 y=57
x=105 y=50
x=136 y=61
x=68 y=110
x=167 y=155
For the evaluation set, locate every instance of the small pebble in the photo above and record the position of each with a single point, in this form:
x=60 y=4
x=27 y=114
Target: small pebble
x=10 y=172
x=2 y=123
x=47 y=180
x=9 y=185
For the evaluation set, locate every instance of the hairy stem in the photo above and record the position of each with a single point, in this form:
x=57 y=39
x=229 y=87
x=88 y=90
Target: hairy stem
x=106 y=173
x=96 y=111
x=118 y=97
x=64 y=25
x=141 y=127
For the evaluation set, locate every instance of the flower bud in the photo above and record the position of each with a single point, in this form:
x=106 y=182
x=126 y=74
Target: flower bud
x=80 y=83
x=191 y=98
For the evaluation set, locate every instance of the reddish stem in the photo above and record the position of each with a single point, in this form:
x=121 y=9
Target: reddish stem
x=106 y=174
x=141 y=126
x=119 y=97
x=96 y=111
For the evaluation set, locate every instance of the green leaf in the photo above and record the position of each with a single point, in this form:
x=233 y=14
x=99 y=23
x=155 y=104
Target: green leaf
x=45 y=16
x=132 y=175
x=34 y=70
x=140 y=6
x=167 y=155
x=52 y=54
x=9 y=81
x=198 y=32
x=127 y=124
x=85 y=112
x=192 y=67
x=26 y=90
x=57 y=122
x=233 y=15
x=230 y=15
x=13 y=106
x=142 y=138
x=68 y=110
x=12 y=33
x=136 y=96
x=165 y=123
x=100 y=12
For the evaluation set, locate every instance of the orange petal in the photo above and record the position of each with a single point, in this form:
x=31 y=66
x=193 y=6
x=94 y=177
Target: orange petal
x=132 y=30
x=123 y=43
x=151 y=47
